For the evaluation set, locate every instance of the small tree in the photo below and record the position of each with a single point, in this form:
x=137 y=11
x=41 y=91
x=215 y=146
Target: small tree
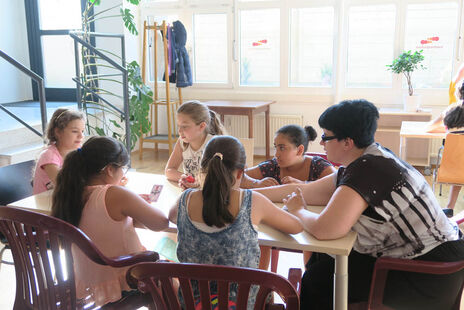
x=406 y=63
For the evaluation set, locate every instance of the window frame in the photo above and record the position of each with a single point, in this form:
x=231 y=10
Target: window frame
x=338 y=91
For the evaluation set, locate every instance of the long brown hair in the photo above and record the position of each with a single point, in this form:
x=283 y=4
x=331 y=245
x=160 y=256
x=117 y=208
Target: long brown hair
x=78 y=167
x=222 y=156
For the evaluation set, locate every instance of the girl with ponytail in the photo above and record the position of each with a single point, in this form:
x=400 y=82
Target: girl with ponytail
x=217 y=224
x=197 y=125
x=88 y=195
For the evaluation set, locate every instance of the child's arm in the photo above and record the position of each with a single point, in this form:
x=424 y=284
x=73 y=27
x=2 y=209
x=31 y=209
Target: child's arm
x=264 y=211
x=121 y=202
x=173 y=212
x=52 y=171
x=252 y=178
x=174 y=162
x=316 y=193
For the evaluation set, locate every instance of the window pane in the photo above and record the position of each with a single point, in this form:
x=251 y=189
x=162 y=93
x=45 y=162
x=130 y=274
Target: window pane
x=58 y=61
x=260 y=47
x=159 y=41
x=432 y=28
x=210 y=50
x=311 y=46
x=371 y=32
x=60 y=14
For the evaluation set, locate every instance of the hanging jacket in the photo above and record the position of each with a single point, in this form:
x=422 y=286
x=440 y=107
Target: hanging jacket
x=183 y=71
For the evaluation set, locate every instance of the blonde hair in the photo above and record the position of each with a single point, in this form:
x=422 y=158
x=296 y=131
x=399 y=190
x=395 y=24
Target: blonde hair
x=199 y=113
x=60 y=119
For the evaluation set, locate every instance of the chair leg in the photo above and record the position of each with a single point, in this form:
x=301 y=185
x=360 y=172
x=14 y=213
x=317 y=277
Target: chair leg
x=440 y=189
x=274 y=260
x=1 y=257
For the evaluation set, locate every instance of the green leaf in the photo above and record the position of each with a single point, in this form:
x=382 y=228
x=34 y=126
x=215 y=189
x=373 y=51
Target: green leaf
x=135 y=2
x=128 y=19
x=100 y=131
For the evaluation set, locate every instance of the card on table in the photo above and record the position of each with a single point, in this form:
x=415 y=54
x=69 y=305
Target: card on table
x=155 y=192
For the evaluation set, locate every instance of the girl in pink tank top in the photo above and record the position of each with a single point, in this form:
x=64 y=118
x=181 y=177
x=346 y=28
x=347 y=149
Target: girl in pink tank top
x=88 y=195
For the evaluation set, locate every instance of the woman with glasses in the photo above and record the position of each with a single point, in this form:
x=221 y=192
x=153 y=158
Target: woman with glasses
x=387 y=202
x=88 y=195
x=290 y=165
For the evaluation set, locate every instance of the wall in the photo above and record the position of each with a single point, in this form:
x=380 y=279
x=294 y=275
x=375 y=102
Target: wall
x=14 y=85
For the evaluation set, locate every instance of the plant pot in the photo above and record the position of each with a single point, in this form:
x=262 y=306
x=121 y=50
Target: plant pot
x=412 y=103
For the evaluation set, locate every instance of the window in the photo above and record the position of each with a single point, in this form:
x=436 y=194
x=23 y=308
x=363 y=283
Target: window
x=311 y=46
x=210 y=48
x=260 y=47
x=371 y=37
x=432 y=28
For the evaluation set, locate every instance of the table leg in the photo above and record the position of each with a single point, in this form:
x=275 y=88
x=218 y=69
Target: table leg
x=250 y=125
x=403 y=148
x=268 y=128
x=341 y=283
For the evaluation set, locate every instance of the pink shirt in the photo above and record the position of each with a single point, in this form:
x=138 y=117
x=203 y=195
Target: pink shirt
x=112 y=238
x=50 y=156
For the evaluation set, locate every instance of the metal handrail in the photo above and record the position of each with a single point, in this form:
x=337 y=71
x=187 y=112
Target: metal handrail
x=77 y=40
x=40 y=84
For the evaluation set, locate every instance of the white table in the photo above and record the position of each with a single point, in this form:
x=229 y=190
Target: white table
x=142 y=183
x=418 y=130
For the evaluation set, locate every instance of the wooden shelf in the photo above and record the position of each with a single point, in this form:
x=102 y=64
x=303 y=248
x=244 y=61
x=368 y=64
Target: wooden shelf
x=388 y=129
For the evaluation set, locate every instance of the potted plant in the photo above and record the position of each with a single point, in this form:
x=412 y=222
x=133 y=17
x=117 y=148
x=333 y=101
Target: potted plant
x=406 y=63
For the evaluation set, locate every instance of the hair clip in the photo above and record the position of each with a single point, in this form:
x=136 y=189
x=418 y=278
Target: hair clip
x=218 y=155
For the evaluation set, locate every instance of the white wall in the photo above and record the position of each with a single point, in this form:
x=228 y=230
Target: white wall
x=14 y=85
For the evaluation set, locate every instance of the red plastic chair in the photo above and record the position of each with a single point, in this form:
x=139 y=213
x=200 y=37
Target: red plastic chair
x=383 y=265
x=156 y=278
x=41 y=248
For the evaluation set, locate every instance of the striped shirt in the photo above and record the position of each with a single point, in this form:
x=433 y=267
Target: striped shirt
x=403 y=218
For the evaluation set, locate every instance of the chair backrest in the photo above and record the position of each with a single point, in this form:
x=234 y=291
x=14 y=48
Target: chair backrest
x=15 y=181
x=41 y=248
x=384 y=264
x=155 y=278
x=248 y=145
x=451 y=169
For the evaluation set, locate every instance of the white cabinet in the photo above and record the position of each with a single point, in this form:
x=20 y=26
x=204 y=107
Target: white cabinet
x=388 y=135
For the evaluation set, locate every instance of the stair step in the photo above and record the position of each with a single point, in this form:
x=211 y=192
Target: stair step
x=20 y=153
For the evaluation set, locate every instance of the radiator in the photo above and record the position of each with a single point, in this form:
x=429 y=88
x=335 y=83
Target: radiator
x=237 y=126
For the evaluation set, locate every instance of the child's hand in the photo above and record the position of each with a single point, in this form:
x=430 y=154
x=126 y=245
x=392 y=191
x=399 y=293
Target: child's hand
x=290 y=180
x=266 y=182
x=295 y=201
x=187 y=181
x=124 y=180
x=145 y=197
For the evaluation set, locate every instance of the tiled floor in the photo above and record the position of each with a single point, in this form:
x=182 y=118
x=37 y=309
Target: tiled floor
x=155 y=164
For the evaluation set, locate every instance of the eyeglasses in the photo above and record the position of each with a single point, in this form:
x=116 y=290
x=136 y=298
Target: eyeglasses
x=124 y=168
x=327 y=138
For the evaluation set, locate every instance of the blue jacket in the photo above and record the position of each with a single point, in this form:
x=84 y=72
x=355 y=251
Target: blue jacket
x=183 y=70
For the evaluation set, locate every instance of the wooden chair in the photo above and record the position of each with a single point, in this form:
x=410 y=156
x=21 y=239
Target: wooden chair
x=41 y=247
x=450 y=169
x=384 y=265
x=15 y=184
x=156 y=278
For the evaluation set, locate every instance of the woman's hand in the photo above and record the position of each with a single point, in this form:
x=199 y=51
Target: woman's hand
x=187 y=181
x=266 y=182
x=295 y=201
x=291 y=180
